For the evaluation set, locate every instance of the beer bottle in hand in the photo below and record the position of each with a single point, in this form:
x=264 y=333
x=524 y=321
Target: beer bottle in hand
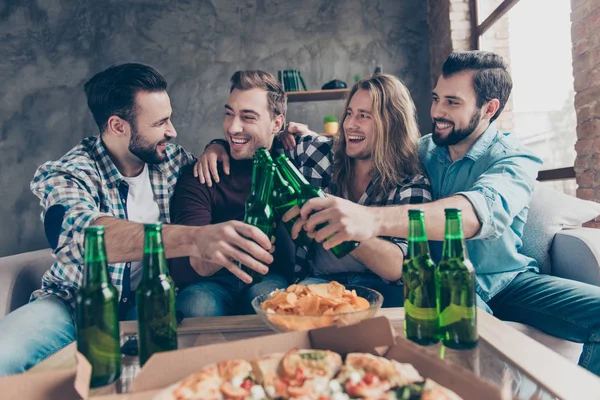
x=259 y=212
x=418 y=274
x=97 y=320
x=284 y=198
x=155 y=297
x=455 y=277
x=307 y=192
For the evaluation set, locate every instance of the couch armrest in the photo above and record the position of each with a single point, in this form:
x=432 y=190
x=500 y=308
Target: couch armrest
x=575 y=255
x=20 y=275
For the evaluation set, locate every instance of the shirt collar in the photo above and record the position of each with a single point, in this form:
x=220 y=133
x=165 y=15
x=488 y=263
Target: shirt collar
x=478 y=148
x=481 y=145
x=108 y=168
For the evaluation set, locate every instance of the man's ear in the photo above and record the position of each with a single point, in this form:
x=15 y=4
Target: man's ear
x=118 y=126
x=491 y=108
x=279 y=123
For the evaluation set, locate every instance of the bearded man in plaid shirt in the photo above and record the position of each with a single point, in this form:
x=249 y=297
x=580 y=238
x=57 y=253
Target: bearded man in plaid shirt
x=372 y=162
x=122 y=178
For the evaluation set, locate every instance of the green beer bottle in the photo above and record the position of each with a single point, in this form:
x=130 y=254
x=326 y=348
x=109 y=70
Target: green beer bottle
x=284 y=198
x=455 y=278
x=306 y=192
x=97 y=320
x=155 y=296
x=259 y=212
x=261 y=156
x=418 y=272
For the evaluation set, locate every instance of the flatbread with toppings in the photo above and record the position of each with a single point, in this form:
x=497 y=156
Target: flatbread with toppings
x=298 y=374
x=308 y=375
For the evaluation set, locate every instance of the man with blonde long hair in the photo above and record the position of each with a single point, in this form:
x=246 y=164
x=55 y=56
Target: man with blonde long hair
x=373 y=161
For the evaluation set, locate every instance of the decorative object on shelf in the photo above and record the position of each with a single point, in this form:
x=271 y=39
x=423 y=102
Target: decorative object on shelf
x=334 y=84
x=356 y=78
x=378 y=70
x=331 y=125
x=291 y=79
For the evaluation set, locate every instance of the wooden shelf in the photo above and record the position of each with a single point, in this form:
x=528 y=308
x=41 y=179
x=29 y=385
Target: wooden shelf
x=316 y=95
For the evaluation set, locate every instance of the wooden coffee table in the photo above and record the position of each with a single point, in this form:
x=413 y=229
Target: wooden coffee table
x=504 y=356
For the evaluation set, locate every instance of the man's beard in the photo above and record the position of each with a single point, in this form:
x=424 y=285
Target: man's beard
x=457 y=135
x=145 y=150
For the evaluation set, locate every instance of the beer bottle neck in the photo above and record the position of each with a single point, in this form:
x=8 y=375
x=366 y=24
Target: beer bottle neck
x=290 y=173
x=96 y=268
x=417 y=238
x=454 y=240
x=265 y=185
x=155 y=263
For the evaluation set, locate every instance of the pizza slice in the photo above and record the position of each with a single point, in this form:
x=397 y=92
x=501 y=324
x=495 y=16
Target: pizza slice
x=366 y=376
x=297 y=374
x=227 y=380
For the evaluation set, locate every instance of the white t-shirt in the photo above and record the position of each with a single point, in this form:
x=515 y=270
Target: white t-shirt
x=143 y=208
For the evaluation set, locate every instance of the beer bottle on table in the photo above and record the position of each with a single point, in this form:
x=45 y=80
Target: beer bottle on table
x=97 y=320
x=155 y=296
x=306 y=192
x=259 y=212
x=418 y=273
x=455 y=277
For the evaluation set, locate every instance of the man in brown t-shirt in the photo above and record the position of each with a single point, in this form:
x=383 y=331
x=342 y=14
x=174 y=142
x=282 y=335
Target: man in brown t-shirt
x=254 y=113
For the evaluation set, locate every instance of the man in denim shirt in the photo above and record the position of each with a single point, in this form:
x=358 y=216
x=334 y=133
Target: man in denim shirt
x=490 y=176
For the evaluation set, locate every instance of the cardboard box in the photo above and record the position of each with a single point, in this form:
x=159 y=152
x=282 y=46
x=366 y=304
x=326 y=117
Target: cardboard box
x=375 y=336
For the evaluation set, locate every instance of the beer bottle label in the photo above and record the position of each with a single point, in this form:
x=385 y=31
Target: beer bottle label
x=424 y=314
x=455 y=313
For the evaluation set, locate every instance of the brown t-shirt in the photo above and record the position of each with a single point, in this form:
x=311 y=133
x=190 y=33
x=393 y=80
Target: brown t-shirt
x=196 y=204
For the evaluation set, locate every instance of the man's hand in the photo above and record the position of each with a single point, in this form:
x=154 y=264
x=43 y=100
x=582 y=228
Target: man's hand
x=288 y=136
x=345 y=221
x=206 y=168
x=225 y=243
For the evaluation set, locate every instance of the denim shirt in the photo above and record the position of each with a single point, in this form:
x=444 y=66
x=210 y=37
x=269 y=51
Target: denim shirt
x=497 y=176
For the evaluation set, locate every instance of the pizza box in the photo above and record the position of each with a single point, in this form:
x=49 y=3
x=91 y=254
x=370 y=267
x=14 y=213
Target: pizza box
x=375 y=336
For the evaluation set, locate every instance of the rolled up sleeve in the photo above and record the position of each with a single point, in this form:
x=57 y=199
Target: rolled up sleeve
x=501 y=193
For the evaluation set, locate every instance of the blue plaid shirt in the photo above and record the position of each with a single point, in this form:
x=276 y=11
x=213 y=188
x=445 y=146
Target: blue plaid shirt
x=81 y=187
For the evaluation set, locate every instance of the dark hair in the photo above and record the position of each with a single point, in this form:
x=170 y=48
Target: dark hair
x=257 y=79
x=491 y=79
x=112 y=91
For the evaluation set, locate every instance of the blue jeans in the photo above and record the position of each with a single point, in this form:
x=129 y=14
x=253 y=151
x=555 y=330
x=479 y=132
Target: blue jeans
x=560 y=307
x=393 y=294
x=33 y=332
x=224 y=294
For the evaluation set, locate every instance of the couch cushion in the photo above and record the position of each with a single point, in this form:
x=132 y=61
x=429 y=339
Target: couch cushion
x=550 y=212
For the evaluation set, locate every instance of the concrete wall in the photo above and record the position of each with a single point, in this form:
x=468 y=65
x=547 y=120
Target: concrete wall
x=51 y=47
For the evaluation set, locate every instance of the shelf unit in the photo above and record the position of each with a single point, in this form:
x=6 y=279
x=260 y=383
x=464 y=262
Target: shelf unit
x=316 y=95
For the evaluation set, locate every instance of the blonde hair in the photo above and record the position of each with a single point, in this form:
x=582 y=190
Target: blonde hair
x=395 y=155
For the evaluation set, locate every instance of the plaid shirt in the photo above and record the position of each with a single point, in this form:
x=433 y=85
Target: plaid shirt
x=87 y=186
x=313 y=155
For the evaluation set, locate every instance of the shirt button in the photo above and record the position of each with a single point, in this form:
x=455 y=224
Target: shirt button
x=124 y=299
x=123 y=201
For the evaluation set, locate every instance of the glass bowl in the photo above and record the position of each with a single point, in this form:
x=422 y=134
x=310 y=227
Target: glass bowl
x=288 y=322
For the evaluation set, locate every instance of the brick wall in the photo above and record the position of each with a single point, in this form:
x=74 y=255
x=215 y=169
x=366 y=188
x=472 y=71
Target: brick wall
x=585 y=34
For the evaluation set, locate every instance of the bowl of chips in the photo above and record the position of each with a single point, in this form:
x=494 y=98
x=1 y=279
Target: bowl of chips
x=304 y=307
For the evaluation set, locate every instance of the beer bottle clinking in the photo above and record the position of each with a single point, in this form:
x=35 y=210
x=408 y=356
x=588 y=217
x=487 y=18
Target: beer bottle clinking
x=455 y=278
x=259 y=212
x=284 y=198
x=306 y=192
x=418 y=273
x=97 y=320
x=155 y=297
